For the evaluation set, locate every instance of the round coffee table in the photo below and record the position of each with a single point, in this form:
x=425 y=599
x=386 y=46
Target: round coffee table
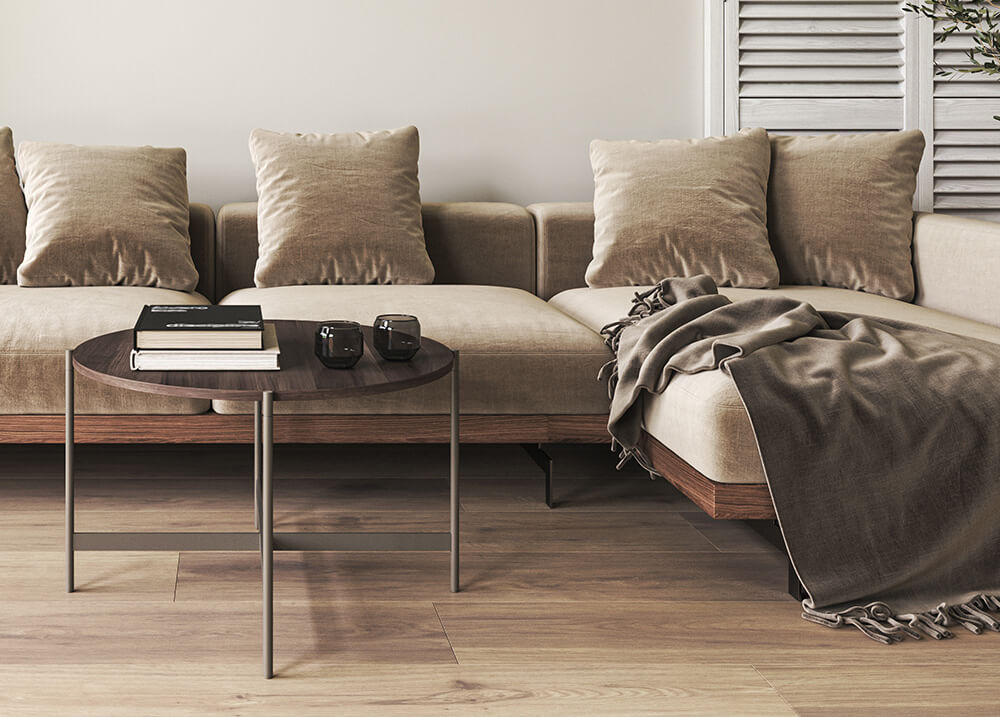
x=301 y=378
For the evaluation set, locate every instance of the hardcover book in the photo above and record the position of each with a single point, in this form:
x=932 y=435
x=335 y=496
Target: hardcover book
x=199 y=327
x=264 y=359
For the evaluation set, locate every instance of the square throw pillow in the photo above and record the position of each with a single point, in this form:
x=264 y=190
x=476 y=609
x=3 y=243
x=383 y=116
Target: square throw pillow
x=13 y=213
x=680 y=208
x=105 y=216
x=339 y=208
x=840 y=210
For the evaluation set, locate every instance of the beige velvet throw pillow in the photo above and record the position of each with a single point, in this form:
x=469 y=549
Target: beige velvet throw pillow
x=339 y=208
x=840 y=210
x=105 y=216
x=682 y=207
x=13 y=213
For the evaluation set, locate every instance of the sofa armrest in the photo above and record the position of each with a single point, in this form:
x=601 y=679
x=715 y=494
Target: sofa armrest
x=956 y=262
x=565 y=235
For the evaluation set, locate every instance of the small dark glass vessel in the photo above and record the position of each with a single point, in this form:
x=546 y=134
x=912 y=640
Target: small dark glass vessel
x=339 y=344
x=397 y=336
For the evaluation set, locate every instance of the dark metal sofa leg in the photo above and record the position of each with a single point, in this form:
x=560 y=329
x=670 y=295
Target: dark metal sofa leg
x=543 y=460
x=795 y=588
x=771 y=532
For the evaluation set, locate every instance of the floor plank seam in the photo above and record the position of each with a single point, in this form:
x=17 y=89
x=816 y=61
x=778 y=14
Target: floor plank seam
x=445 y=631
x=177 y=575
x=775 y=689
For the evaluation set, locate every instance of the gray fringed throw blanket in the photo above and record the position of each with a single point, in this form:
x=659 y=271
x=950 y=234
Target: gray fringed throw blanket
x=880 y=441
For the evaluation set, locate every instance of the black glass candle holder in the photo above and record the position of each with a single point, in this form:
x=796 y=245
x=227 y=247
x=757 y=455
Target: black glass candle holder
x=339 y=344
x=397 y=336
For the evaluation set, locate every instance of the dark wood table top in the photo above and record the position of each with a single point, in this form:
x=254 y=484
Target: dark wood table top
x=302 y=377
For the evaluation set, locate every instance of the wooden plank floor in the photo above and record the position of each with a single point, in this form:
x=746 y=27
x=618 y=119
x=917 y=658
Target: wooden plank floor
x=624 y=600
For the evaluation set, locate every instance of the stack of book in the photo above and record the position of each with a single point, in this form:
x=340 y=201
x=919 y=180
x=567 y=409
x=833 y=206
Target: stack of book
x=203 y=338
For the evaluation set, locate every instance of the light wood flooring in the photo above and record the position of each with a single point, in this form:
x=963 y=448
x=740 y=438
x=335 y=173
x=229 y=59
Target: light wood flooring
x=624 y=600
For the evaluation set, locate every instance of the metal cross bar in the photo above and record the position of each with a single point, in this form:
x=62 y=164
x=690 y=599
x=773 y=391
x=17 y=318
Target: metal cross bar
x=236 y=542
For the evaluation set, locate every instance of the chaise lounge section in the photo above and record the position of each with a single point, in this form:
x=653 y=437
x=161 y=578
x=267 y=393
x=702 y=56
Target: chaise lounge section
x=697 y=432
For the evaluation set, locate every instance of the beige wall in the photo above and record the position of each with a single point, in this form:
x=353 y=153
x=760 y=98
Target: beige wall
x=506 y=93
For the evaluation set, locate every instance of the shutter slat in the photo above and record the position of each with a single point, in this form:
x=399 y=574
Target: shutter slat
x=966 y=186
x=947 y=139
x=821 y=89
x=966 y=113
x=810 y=73
x=820 y=42
x=987 y=214
x=968 y=201
x=745 y=3
x=883 y=10
x=952 y=58
x=956 y=42
x=980 y=153
x=975 y=168
x=822 y=114
x=975 y=186
x=813 y=132
x=839 y=26
x=821 y=58
x=968 y=88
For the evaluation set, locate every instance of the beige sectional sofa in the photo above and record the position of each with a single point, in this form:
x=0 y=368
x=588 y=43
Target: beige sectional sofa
x=697 y=431
x=509 y=293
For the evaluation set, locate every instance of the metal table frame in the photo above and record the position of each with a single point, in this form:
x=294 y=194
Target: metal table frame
x=263 y=539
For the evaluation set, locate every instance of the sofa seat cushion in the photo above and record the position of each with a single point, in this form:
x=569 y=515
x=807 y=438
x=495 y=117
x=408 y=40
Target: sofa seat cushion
x=40 y=323
x=700 y=417
x=519 y=355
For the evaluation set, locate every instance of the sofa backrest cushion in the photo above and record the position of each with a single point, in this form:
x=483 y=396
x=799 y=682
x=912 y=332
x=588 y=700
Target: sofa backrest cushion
x=488 y=243
x=201 y=227
x=13 y=213
x=565 y=245
x=105 y=216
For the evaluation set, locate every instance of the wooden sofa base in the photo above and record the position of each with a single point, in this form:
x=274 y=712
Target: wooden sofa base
x=719 y=500
x=730 y=501
x=228 y=428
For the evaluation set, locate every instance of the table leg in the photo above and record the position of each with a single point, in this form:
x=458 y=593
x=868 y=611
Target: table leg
x=267 y=530
x=256 y=465
x=70 y=493
x=453 y=469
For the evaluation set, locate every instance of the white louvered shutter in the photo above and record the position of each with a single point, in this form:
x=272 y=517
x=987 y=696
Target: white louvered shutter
x=799 y=67
x=966 y=138
x=822 y=66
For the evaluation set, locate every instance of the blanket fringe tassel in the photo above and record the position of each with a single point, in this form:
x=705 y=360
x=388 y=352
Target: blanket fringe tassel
x=644 y=304
x=877 y=621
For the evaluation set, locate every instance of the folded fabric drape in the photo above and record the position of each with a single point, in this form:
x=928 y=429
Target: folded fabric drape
x=878 y=439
